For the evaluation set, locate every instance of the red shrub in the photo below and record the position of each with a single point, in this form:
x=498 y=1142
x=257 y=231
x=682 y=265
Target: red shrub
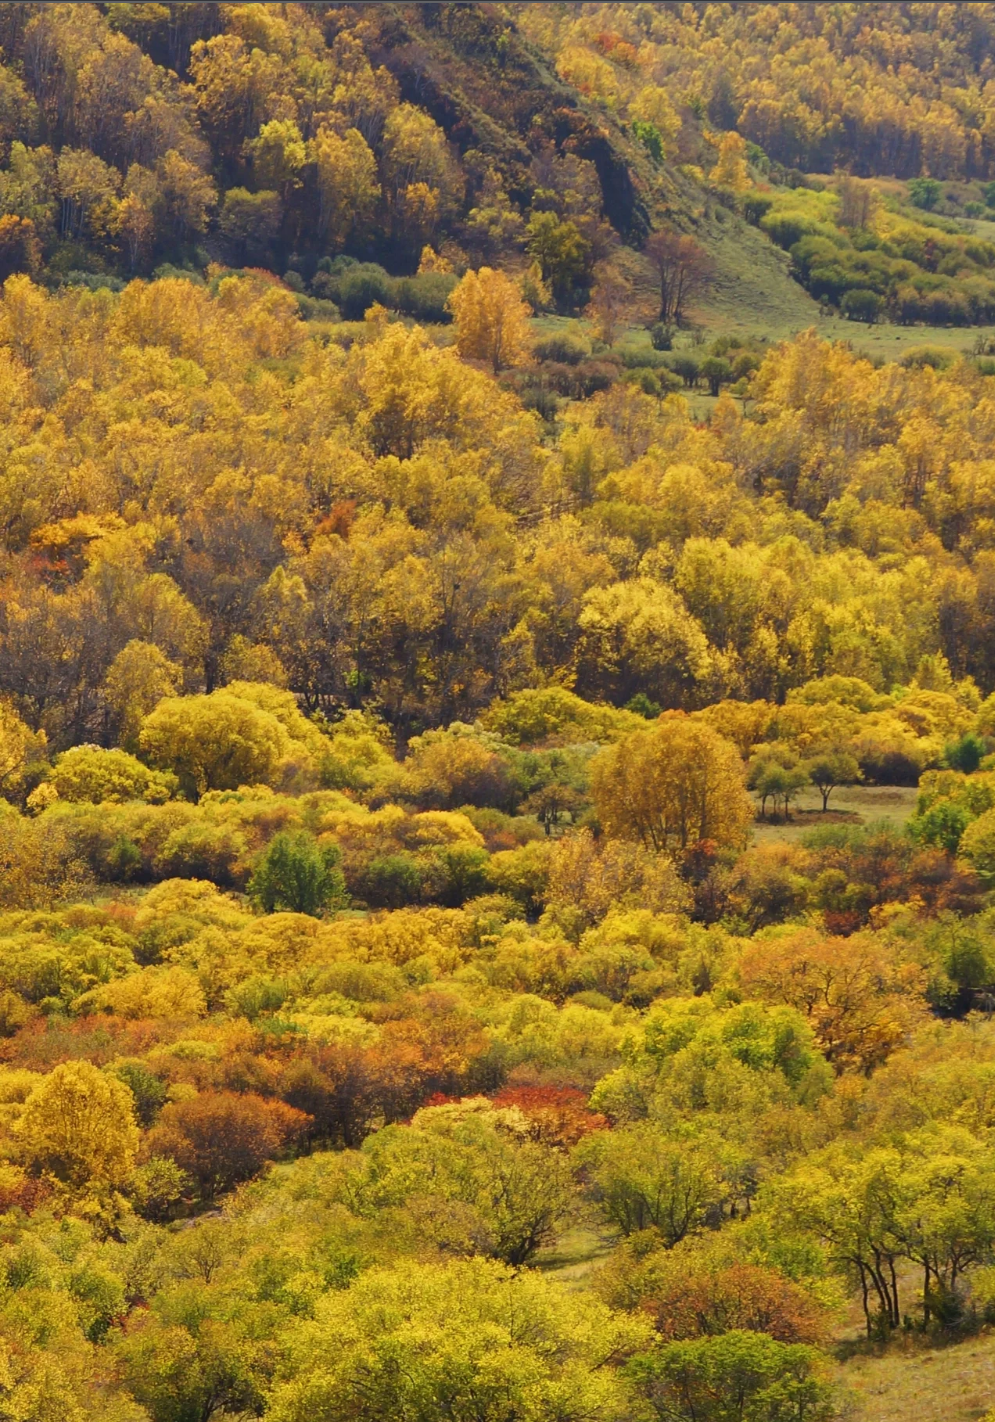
x=558 y=1116
x=221 y=1139
x=741 y=1296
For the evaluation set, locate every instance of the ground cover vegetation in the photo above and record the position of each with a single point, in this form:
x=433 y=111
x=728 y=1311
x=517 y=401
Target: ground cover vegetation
x=433 y=666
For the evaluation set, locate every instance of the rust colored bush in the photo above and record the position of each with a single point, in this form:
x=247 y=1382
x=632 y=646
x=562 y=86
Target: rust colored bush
x=558 y=1116
x=221 y=1139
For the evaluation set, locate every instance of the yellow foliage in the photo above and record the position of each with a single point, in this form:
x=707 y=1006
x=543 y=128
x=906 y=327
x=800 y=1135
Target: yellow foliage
x=77 y=1126
x=492 y=320
x=237 y=736
x=731 y=171
x=172 y=994
x=652 y=104
x=671 y=786
x=19 y=746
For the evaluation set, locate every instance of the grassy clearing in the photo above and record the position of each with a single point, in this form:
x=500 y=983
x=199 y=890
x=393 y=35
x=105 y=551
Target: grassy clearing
x=754 y=295
x=955 y=1384
x=576 y=1253
x=850 y=804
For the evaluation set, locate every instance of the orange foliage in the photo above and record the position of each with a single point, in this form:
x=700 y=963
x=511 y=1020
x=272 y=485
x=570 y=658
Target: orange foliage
x=558 y=1116
x=860 y=998
x=696 y=1302
x=220 y=1138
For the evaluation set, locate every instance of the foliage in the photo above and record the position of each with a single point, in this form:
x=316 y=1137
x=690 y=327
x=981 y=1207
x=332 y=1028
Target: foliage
x=737 y=1375
x=491 y=319
x=219 y=1138
x=298 y=875
x=470 y=1336
x=77 y=1126
x=86 y=773
x=387 y=698
x=672 y=787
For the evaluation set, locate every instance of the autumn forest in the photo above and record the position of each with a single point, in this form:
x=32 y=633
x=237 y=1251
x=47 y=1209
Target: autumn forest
x=497 y=712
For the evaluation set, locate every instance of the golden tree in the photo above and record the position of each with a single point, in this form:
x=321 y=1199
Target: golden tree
x=138 y=679
x=652 y=105
x=78 y=1126
x=19 y=745
x=860 y=998
x=492 y=320
x=731 y=170
x=215 y=742
x=671 y=786
x=347 y=184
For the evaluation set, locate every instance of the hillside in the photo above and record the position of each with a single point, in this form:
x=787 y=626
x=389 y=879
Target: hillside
x=497 y=714
x=879 y=90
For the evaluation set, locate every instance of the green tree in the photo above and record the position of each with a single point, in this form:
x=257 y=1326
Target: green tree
x=480 y=1156
x=829 y=768
x=739 y=1376
x=277 y=155
x=717 y=372
x=861 y=304
x=562 y=252
x=649 y=136
x=775 y=773
x=184 y=1365
x=251 y=222
x=965 y=754
x=925 y=193
x=642 y=1180
x=297 y=874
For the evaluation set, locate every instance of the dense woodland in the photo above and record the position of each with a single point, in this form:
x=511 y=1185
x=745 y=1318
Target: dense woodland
x=896 y=89
x=433 y=655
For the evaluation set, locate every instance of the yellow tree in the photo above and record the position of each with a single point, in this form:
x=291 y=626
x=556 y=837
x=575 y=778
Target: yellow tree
x=671 y=786
x=185 y=197
x=433 y=262
x=78 y=1126
x=19 y=745
x=651 y=105
x=134 y=226
x=638 y=636
x=348 y=190
x=277 y=154
x=731 y=171
x=139 y=677
x=492 y=320
x=215 y=742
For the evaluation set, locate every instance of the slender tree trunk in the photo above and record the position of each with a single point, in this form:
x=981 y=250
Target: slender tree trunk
x=865 y=1298
x=896 y=1313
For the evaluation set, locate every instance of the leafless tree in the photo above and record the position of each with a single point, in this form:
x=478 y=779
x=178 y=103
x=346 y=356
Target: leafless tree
x=683 y=269
x=857 y=202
